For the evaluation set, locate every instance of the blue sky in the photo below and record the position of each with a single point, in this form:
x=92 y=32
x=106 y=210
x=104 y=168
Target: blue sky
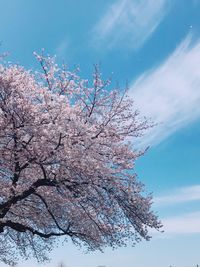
x=155 y=46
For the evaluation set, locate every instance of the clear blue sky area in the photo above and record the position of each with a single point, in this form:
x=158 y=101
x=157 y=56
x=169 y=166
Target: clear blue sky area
x=155 y=46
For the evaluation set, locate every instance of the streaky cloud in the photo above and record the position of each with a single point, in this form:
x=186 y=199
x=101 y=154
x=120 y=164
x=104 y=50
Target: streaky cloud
x=62 y=48
x=129 y=23
x=184 y=224
x=178 y=196
x=170 y=93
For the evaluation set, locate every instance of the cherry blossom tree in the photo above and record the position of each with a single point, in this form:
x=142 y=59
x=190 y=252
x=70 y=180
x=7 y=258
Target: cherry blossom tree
x=67 y=163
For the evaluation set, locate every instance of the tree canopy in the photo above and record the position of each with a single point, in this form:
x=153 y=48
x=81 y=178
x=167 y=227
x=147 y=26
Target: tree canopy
x=67 y=163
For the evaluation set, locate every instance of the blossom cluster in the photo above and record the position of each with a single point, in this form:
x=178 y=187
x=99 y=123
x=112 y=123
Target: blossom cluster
x=67 y=163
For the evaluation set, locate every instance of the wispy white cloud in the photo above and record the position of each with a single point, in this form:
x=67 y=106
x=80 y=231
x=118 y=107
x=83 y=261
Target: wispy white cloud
x=187 y=223
x=170 y=93
x=180 y=195
x=129 y=22
x=183 y=224
x=62 y=48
